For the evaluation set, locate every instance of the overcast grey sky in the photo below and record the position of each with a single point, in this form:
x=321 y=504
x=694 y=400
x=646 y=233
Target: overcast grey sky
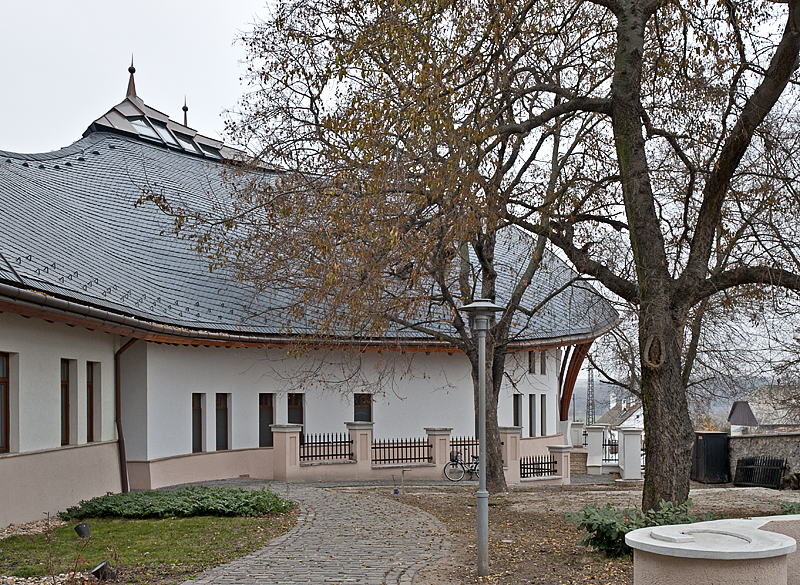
x=65 y=63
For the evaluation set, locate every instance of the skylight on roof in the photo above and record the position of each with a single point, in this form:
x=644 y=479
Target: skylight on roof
x=143 y=128
x=165 y=134
x=187 y=143
x=212 y=152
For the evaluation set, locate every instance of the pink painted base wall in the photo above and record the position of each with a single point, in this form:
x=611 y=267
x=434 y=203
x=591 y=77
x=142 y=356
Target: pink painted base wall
x=200 y=467
x=537 y=446
x=32 y=484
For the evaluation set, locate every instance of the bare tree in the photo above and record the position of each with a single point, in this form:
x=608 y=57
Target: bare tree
x=652 y=142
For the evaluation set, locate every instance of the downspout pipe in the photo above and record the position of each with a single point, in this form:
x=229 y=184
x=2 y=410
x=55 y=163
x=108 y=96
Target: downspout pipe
x=123 y=461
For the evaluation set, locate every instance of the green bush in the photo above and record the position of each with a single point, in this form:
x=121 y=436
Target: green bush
x=790 y=507
x=606 y=526
x=190 y=501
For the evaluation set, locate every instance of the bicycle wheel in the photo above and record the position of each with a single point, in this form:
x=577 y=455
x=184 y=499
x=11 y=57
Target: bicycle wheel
x=453 y=471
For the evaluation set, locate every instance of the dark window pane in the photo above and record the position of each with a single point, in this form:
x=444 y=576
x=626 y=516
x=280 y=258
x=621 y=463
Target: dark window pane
x=532 y=414
x=197 y=423
x=265 y=419
x=89 y=402
x=4 y=417
x=65 y=402
x=517 y=404
x=222 y=422
x=295 y=414
x=363 y=407
x=544 y=414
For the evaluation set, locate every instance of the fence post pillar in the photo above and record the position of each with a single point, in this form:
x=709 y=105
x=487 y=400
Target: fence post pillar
x=576 y=434
x=630 y=453
x=510 y=448
x=360 y=433
x=594 y=448
x=285 y=451
x=564 y=428
x=439 y=439
x=561 y=453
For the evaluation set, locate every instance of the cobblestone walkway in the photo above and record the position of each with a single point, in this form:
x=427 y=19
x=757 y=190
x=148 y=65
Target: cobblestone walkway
x=340 y=537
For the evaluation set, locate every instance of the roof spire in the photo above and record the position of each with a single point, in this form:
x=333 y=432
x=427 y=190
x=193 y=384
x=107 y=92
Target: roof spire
x=131 y=85
x=185 y=109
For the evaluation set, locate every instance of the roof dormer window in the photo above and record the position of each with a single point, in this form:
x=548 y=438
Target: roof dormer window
x=165 y=134
x=187 y=143
x=143 y=128
x=209 y=151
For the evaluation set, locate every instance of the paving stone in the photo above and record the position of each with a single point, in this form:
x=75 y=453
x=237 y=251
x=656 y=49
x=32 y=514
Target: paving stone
x=340 y=537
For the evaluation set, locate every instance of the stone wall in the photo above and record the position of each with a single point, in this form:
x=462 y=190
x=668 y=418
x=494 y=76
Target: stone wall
x=785 y=445
x=577 y=462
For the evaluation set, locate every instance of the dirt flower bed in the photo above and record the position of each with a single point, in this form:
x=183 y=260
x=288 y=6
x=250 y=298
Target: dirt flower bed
x=530 y=541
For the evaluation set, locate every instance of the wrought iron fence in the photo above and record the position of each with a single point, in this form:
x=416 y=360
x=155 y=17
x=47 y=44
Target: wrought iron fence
x=611 y=451
x=537 y=466
x=401 y=451
x=467 y=445
x=326 y=447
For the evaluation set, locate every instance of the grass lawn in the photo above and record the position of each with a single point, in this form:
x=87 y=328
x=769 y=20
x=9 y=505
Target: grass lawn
x=165 y=550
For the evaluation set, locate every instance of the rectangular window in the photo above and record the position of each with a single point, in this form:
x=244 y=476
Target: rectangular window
x=222 y=422
x=295 y=414
x=544 y=414
x=4 y=404
x=517 y=403
x=266 y=417
x=531 y=362
x=543 y=362
x=89 y=402
x=362 y=407
x=532 y=415
x=65 y=402
x=197 y=422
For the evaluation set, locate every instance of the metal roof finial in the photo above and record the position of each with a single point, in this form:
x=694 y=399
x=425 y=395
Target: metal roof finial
x=185 y=109
x=131 y=85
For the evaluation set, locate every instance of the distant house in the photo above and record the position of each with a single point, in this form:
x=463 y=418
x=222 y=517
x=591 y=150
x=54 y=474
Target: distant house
x=622 y=415
x=770 y=408
x=125 y=363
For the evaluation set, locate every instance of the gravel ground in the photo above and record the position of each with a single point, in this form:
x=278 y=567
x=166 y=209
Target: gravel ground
x=530 y=541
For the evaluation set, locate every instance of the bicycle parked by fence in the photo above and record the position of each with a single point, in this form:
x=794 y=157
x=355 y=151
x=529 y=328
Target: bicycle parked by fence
x=456 y=468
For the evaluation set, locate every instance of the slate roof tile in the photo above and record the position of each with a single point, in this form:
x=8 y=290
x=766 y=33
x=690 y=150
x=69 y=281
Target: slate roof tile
x=74 y=232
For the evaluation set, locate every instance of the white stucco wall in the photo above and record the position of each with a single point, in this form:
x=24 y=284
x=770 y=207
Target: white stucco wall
x=133 y=393
x=410 y=393
x=36 y=349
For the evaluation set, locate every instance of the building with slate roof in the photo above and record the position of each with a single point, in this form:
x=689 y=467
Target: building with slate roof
x=626 y=414
x=126 y=363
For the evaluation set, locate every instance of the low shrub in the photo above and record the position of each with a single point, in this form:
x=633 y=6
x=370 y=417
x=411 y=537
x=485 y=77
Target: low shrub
x=189 y=501
x=606 y=526
x=790 y=507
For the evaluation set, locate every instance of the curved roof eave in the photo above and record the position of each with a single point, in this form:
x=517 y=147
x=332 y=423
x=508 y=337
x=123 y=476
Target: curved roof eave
x=31 y=303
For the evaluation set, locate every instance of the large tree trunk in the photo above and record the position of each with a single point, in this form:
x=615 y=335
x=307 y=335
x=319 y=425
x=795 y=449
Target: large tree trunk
x=668 y=452
x=660 y=323
x=495 y=477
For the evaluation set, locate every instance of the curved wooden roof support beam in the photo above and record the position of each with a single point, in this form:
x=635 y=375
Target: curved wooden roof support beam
x=575 y=363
